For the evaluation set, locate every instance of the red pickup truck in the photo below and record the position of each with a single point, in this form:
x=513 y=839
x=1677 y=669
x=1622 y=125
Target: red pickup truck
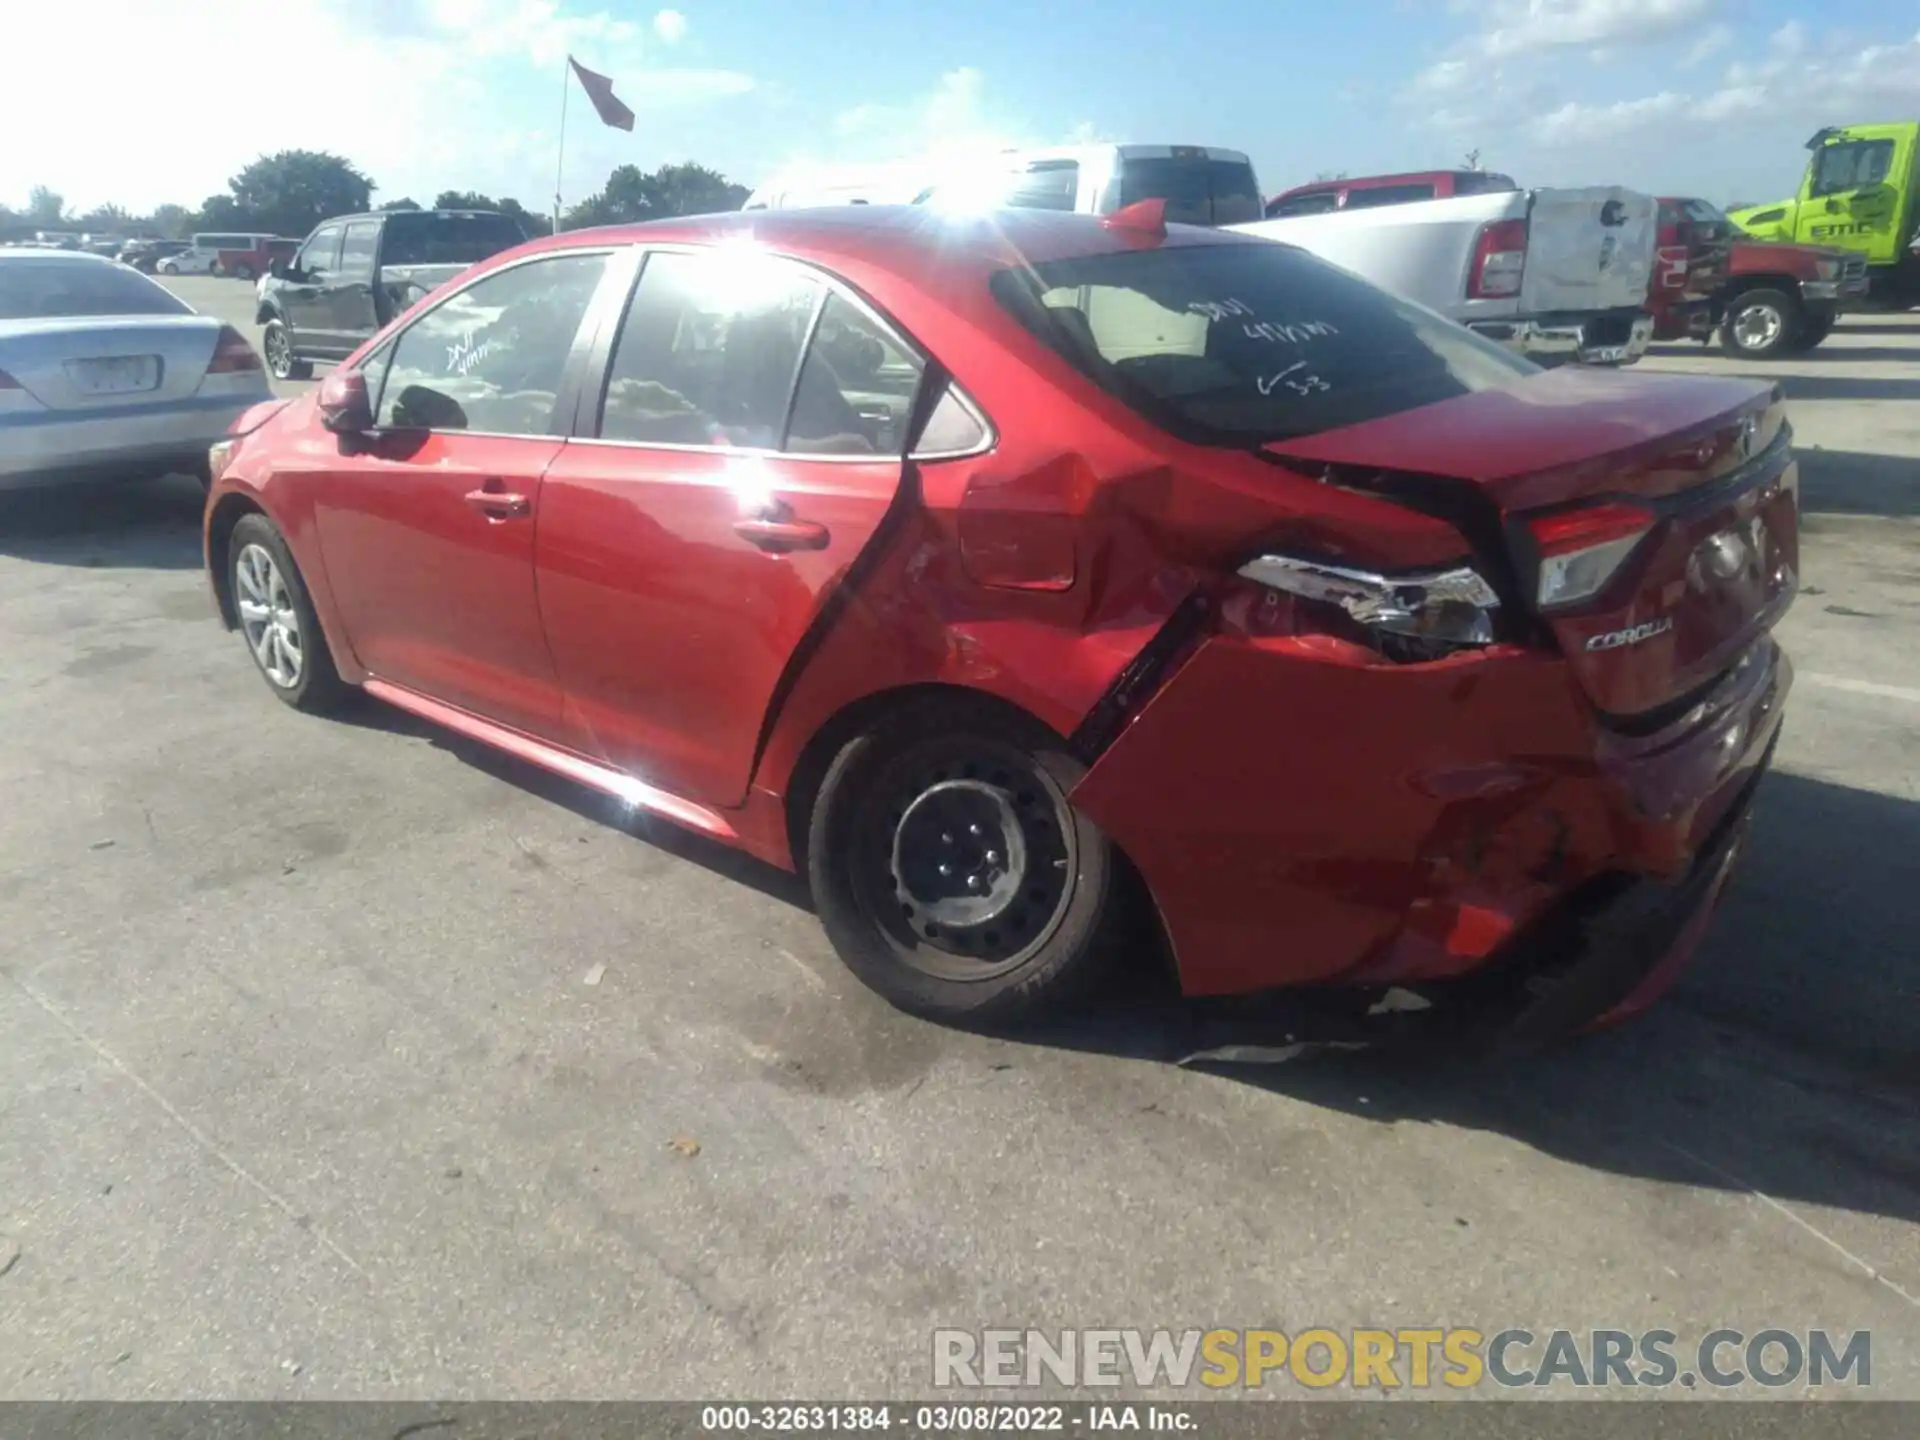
x=1765 y=298
x=1366 y=191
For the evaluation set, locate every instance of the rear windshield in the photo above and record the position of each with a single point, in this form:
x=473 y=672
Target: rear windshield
x=51 y=289
x=1238 y=344
x=1198 y=191
x=447 y=239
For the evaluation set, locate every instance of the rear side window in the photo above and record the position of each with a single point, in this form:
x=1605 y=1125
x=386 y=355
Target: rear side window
x=1237 y=344
x=1321 y=202
x=856 y=387
x=1482 y=182
x=1373 y=196
x=429 y=239
x=32 y=289
x=1198 y=191
x=356 y=250
x=489 y=358
x=708 y=352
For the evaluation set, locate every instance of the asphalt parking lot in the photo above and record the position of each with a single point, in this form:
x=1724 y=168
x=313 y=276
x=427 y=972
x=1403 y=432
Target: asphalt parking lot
x=341 y=1059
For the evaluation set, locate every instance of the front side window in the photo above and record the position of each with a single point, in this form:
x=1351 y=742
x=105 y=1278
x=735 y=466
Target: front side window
x=856 y=386
x=320 y=256
x=709 y=351
x=1320 y=202
x=1243 y=343
x=490 y=357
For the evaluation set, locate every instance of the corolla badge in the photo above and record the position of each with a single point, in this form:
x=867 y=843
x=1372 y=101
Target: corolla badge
x=1632 y=635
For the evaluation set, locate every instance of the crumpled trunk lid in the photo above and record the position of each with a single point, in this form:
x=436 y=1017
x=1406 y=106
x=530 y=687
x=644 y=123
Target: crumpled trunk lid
x=1707 y=463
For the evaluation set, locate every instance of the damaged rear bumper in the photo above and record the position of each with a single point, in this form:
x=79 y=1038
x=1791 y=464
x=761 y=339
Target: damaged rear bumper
x=1301 y=820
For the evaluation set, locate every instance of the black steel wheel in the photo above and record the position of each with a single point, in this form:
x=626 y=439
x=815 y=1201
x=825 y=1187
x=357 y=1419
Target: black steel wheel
x=952 y=872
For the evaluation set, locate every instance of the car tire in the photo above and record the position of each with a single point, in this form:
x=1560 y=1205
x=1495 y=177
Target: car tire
x=277 y=343
x=277 y=620
x=1813 y=330
x=951 y=872
x=1760 y=324
x=242 y=271
x=166 y=267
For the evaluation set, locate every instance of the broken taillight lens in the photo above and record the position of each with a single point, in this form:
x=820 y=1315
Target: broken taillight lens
x=1581 y=550
x=1406 y=617
x=232 y=354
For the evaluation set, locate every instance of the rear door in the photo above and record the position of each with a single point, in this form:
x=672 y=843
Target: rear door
x=749 y=445
x=1588 y=250
x=1855 y=189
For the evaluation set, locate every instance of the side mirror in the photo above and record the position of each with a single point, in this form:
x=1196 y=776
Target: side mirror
x=344 y=406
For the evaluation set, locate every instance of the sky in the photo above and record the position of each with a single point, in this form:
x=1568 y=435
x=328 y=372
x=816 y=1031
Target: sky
x=140 y=102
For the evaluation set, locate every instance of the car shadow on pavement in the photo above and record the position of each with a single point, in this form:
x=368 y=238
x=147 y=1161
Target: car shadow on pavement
x=1845 y=482
x=144 y=524
x=591 y=805
x=1845 y=387
x=1787 y=1061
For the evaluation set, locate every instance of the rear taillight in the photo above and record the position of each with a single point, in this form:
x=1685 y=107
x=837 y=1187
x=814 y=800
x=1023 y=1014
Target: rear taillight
x=1499 y=260
x=1674 y=261
x=232 y=354
x=1581 y=550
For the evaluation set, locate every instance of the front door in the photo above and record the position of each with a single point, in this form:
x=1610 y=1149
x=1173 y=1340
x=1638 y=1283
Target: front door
x=427 y=529
x=1855 y=188
x=349 y=299
x=303 y=297
x=686 y=551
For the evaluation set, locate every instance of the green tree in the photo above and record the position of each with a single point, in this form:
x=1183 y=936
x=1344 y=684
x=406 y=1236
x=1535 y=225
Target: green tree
x=46 y=207
x=531 y=225
x=631 y=195
x=404 y=203
x=463 y=200
x=690 y=189
x=171 y=222
x=221 y=212
x=294 y=190
x=105 y=220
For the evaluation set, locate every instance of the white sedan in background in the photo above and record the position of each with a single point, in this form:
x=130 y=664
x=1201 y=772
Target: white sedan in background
x=105 y=373
x=187 y=262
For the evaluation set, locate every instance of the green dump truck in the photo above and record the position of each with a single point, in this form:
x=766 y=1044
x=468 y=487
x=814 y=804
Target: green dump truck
x=1861 y=192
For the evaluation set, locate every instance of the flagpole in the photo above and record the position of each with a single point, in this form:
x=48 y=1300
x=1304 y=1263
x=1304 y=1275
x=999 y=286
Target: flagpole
x=560 y=161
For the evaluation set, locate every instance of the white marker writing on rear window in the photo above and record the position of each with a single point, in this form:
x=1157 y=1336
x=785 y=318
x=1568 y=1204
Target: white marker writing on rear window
x=1282 y=334
x=1217 y=310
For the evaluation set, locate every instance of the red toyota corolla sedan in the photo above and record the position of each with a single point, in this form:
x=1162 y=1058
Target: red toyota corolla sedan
x=994 y=571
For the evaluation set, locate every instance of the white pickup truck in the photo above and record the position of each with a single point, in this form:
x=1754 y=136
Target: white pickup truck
x=1554 y=274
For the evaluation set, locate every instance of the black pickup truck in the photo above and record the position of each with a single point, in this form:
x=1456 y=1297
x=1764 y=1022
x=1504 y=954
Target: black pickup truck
x=355 y=273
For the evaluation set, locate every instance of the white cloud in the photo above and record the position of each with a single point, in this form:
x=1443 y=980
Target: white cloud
x=1712 y=41
x=951 y=118
x=467 y=94
x=670 y=26
x=1518 y=27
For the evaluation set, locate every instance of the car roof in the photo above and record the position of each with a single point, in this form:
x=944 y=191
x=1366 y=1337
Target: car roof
x=73 y=257
x=912 y=242
x=389 y=214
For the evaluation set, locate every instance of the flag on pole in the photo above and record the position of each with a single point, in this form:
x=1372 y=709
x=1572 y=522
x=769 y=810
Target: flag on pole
x=599 y=90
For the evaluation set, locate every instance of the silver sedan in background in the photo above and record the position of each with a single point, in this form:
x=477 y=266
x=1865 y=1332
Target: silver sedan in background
x=104 y=372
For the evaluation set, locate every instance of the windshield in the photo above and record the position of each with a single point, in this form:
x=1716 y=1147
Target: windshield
x=50 y=289
x=1238 y=344
x=447 y=239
